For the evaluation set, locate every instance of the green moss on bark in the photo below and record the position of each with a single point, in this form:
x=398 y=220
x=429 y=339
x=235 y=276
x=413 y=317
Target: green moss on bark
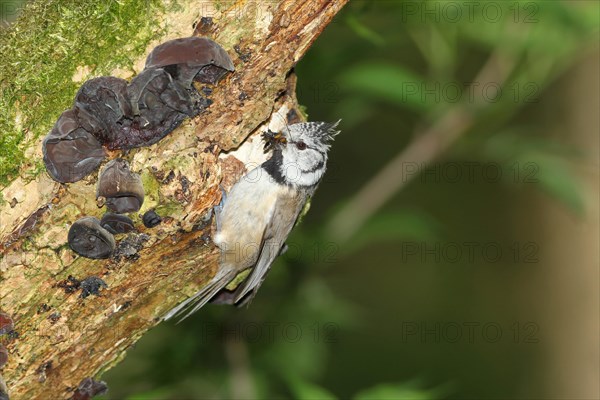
x=45 y=47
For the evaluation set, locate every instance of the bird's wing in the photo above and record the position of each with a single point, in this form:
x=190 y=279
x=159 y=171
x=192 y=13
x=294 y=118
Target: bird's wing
x=284 y=216
x=262 y=213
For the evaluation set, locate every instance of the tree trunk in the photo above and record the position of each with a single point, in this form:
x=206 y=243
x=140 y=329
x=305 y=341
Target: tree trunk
x=61 y=337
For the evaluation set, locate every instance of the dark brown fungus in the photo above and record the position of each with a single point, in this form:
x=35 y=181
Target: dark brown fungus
x=88 y=388
x=70 y=151
x=116 y=223
x=103 y=104
x=122 y=188
x=6 y=324
x=91 y=285
x=130 y=246
x=191 y=59
x=155 y=87
x=151 y=219
x=88 y=239
x=159 y=105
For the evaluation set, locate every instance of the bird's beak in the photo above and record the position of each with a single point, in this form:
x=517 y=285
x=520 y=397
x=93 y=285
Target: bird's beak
x=273 y=138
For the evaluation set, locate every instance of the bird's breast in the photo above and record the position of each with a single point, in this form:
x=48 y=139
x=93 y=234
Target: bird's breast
x=248 y=209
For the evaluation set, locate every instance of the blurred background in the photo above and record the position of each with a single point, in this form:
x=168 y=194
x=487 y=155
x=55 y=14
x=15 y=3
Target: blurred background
x=452 y=250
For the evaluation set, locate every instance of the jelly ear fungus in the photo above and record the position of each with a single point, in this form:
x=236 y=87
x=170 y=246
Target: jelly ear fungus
x=70 y=151
x=108 y=111
x=117 y=223
x=159 y=105
x=88 y=239
x=122 y=189
x=155 y=87
x=151 y=219
x=191 y=59
x=111 y=112
x=103 y=103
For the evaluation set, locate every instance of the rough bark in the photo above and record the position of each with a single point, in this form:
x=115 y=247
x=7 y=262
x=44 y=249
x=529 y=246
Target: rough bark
x=61 y=338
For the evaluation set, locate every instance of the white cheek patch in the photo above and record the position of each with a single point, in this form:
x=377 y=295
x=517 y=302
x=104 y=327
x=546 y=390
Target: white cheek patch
x=291 y=171
x=310 y=161
x=310 y=178
x=295 y=176
x=303 y=160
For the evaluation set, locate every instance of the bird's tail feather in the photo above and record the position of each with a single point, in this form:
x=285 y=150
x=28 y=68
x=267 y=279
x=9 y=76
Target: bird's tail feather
x=203 y=296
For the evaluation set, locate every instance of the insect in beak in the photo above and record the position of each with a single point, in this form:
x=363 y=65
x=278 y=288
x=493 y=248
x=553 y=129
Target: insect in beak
x=273 y=138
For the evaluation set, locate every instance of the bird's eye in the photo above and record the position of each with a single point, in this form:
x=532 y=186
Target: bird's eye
x=301 y=145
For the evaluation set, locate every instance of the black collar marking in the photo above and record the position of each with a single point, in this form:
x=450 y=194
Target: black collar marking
x=273 y=166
